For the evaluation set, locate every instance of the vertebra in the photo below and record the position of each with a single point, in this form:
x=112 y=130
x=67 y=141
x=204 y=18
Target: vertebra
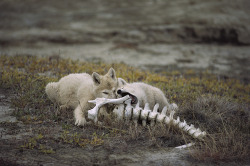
x=124 y=110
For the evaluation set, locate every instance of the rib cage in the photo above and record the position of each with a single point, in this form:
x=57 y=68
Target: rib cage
x=124 y=110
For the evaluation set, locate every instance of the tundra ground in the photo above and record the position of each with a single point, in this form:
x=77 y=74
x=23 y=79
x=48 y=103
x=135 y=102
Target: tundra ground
x=37 y=132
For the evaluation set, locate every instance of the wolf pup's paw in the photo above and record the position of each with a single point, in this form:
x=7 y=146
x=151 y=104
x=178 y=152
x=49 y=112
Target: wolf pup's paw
x=80 y=122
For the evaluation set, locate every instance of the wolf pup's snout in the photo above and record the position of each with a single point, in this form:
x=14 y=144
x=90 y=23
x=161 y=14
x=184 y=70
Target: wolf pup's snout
x=119 y=91
x=123 y=93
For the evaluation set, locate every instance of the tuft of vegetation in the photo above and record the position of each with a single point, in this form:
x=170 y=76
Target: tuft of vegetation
x=218 y=106
x=227 y=124
x=76 y=139
x=33 y=143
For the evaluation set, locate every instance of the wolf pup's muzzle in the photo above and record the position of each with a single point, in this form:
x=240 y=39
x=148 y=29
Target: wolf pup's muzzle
x=123 y=93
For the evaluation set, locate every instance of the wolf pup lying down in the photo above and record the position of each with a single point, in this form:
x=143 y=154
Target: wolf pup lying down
x=75 y=90
x=142 y=93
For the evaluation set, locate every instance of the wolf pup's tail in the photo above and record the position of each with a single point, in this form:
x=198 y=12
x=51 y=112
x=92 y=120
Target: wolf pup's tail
x=52 y=91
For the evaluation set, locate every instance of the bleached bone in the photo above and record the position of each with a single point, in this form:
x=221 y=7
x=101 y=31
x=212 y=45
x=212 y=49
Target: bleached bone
x=93 y=113
x=144 y=114
x=185 y=146
x=162 y=116
x=124 y=110
x=153 y=114
x=118 y=111
x=136 y=113
x=128 y=110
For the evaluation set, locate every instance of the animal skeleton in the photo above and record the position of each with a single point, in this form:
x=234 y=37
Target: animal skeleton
x=125 y=110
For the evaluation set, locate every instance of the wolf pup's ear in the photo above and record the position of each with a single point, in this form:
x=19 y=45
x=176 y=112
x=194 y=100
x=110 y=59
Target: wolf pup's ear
x=96 y=78
x=121 y=82
x=111 y=73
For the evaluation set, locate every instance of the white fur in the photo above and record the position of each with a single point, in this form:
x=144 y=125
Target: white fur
x=145 y=93
x=75 y=90
x=65 y=91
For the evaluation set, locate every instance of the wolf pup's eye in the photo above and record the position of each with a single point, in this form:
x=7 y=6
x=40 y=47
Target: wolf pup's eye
x=106 y=93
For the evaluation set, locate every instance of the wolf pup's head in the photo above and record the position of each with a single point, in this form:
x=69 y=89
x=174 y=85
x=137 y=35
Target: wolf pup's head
x=105 y=86
x=126 y=89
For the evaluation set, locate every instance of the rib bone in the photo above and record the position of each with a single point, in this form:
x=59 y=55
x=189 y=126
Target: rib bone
x=93 y=113
x=124 y=110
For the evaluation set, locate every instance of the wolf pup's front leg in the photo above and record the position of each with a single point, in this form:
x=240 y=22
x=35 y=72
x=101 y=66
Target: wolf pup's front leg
x=79 y=116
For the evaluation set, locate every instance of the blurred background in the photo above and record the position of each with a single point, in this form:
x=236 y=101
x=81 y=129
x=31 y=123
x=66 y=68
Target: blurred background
x=156 y=35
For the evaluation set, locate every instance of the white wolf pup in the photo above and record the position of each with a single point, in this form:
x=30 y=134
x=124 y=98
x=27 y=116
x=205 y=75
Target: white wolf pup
x=142 y=93
x=75 y=90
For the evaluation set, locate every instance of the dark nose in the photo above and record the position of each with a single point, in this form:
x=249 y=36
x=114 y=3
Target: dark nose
x=119 y=91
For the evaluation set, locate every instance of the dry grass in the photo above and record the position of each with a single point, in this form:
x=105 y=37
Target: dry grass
x=220 y=107
x=227 y=123
x=229 y=145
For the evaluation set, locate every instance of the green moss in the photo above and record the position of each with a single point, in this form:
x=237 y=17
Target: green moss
x=45 y=149
x=33 y=143
x=78 y=140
